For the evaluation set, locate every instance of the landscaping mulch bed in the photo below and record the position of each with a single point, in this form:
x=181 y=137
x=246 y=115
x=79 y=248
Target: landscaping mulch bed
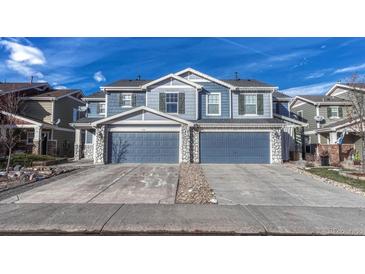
x=193 y=187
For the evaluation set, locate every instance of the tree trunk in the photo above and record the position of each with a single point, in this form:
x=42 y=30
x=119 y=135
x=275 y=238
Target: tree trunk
x=8 y=163
x=363 y=155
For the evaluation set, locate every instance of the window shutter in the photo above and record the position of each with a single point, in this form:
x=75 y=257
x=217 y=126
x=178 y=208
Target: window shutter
x=181 y=103
x=260 y=104
x=329 y=112
x=340 y=112
x=162 y=102
x=241 y=104
x=120 y=99
x=134 y=97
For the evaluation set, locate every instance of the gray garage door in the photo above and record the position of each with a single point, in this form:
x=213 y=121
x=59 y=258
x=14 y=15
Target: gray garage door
x=143 y=147
x=235 y=147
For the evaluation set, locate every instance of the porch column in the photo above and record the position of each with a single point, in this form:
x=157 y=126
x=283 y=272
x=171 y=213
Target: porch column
x=78 y=144
x=100 y=144
x=37 y=139
x=333 y=137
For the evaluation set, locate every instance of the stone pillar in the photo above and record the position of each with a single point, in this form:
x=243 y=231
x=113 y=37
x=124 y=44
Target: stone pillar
x=185 y=144
x=37 y=141
x=100 y=145
x=276 y=154
x=333 y=137
x=195 y=145
x=78 y=144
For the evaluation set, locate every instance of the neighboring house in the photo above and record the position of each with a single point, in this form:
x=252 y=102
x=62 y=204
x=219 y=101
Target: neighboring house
x=326 y=116
x=44 y=117
x=187 y=116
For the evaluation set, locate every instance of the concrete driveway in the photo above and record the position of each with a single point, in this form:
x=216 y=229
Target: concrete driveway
x=112 y=184
x=275 y=185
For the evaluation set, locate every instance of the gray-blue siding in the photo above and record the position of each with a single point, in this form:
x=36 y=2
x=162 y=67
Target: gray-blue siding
x=215 y=88
x=281 y=108
x=93 y=109
x=114 y=107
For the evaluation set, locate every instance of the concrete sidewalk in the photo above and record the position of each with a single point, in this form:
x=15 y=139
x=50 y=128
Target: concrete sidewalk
x=127 y=219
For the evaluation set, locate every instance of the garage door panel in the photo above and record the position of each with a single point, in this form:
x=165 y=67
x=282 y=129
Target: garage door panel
x=143 y=147
x=235 y=147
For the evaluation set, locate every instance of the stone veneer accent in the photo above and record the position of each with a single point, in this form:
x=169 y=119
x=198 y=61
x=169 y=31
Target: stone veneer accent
x=195 y=141
x=185 y=144
x=89 y=151
x=77 y=152
x=276 y=154
x=100 y=151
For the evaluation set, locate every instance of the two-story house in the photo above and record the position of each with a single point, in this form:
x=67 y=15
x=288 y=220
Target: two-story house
x=327 y=117
x=44 y=117
x=187 y=116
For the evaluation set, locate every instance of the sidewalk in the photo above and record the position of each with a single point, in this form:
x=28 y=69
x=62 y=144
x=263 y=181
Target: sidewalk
x=143 y=219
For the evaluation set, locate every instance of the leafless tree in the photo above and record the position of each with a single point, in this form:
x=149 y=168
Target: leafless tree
x=10 y=135
x=356 y=113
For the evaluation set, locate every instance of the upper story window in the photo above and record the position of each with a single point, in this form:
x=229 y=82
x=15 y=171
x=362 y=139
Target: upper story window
x=251 y=104
x=300 y=113
x=126 y=100
x=334 y=112
x=101 y=108
x=214 y=104
x=171 y=102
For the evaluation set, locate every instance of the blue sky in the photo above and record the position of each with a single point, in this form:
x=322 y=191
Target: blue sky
x=296 y=65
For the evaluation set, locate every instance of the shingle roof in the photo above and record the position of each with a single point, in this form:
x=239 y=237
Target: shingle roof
x=247 y=83
x=243 y=121
x=97 y=94
x=129 y=83
x=6 y=87
x=280 y=95
x=337 y=123
x=56 y=93
x=86 y=120
x=322 y=98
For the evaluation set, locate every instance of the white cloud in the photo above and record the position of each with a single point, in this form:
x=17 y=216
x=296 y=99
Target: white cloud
x=315 y=89
x=99 y=77
x=60 y=87
x=22 y=58
x=350 y=69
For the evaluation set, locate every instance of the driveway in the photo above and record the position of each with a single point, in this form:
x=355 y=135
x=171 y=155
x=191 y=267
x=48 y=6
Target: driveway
x=112 y=184
x=275 y=185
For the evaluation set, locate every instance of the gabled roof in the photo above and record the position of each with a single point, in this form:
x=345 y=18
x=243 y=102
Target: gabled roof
x=245 y=83
x=13 y=87
x=95 y=96
x=290 y=120
x=55 y=94
x=347 y=86
x=127 y=83
x=279 y=96
x=338 y=125
x=22 y=118
x=138 y=109
x=173 y=76
x=318 y=100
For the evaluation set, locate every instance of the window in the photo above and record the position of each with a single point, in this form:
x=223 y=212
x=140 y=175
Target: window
x=30 y=137
x=171 y=102
x=251 y=104
x=333 y=112
x=101 y=108
x=89 y=137
x=300 y=113
x=126 y=101
x=74 y=114
x=214 y=104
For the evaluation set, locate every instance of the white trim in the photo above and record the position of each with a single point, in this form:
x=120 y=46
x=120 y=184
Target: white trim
x=207 y=104
x=177 y=102
x=240 y=125
x=146 y=122
x=230 y=104
x=291 y=120
x=40 y=98
x=298 y=105
x=338 y=112
x=106 y=105
x=196 y=106
x=21 y=118
x=93 y=99
x=62 y=129
x=233 y=130
x=203 y=75
x=137 y=109
x=126 y=106
x=301 y=111
x=271 y=106
x=176 y=77
x=311 y=132
x=348 y=87
x=318 y=125
x=145 y=129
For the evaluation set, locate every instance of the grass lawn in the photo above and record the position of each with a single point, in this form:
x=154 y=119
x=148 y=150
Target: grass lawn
x=334 y=175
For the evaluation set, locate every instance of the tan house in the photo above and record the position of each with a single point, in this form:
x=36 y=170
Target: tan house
x=45 y=118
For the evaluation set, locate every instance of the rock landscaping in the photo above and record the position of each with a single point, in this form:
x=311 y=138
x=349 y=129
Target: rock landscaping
x=24 y=175
x=193 y=187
